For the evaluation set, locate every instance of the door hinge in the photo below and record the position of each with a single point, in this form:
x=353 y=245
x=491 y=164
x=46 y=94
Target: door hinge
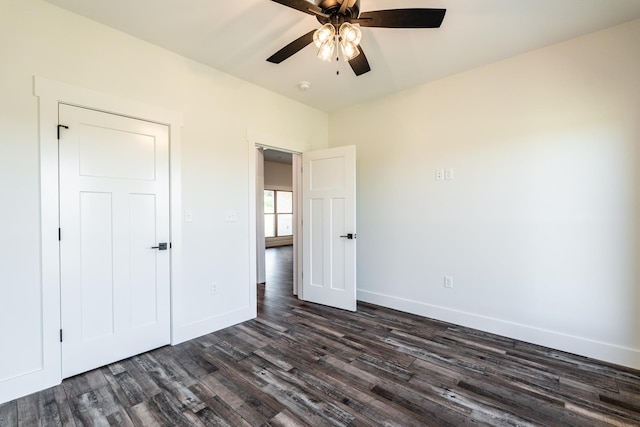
x=60 y=335
x=169 y=245
x=59 y=234
x=61 y=126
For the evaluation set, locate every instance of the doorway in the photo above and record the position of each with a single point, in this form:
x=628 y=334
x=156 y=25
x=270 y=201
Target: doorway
x=325 y=239
x=277 y=214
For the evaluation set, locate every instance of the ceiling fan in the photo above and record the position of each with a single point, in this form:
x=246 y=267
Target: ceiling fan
x=341 y=20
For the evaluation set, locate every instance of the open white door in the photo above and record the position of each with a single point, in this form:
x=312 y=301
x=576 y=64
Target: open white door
x=329 y=227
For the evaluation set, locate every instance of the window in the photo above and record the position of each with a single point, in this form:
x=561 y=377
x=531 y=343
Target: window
x=278 y=213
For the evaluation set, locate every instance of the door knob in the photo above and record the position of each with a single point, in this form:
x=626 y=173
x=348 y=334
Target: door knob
x=160 y=247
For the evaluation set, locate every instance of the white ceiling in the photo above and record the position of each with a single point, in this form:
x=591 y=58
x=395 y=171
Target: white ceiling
x=236 y=36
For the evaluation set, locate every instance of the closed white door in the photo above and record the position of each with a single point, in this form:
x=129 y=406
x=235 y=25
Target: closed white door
x=329 y=227
x=114 y=209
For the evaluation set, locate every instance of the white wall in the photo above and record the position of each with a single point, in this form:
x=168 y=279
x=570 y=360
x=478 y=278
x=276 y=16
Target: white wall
x=540 y=227
x=219 y=111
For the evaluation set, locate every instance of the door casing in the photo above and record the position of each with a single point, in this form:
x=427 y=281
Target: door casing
x=296 y=168
x=253 y=143
x=50 y=94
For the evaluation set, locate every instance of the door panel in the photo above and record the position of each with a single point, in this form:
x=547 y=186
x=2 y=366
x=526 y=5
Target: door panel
x=338 y=245
x=114 y=207
x=96 y=265
x=143 y=272
x=329 y=269
x=101 y=153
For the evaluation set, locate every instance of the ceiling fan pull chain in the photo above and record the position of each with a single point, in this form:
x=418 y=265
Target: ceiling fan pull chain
x=337 y=57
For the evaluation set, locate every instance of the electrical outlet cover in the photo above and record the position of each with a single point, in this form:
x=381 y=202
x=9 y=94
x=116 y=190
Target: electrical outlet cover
x=448 y=282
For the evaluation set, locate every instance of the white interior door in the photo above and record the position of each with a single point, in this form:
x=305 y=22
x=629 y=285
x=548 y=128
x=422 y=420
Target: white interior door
x=114 y=207
x=329 y=227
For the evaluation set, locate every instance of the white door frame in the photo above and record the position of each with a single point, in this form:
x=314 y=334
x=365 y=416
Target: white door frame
x=50 y=94
x=296 y=168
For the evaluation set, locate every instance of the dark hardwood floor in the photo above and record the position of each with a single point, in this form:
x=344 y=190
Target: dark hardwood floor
x=309 y=365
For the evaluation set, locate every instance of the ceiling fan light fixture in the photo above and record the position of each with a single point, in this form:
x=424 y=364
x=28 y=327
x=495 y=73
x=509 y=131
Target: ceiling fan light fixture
x=349 y=50
x=350 y=33
x=324 y=34
x=326 y=50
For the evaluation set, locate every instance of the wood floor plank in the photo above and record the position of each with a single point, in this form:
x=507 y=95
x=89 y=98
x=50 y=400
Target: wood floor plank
x=9 y=414
x=99 y=407
x=250 y=402
x=80 y=384
x=142 y=415
x=27 y=409
x=142 y=379
x=64 y=410
x=216 y=406
x=48 y=411
x=286 y=419
x=301 y=364
x=190 y=358
x=168 y=410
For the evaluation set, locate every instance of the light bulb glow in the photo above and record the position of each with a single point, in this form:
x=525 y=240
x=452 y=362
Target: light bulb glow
x=349 y=50
x=326 y=50
x=350 y=33
x=323 y=34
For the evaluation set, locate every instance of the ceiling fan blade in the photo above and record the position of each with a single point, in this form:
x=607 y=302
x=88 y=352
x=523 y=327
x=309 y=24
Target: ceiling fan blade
x=302 y=6
x=292 y=48
x=401 y=18
x=359 y=64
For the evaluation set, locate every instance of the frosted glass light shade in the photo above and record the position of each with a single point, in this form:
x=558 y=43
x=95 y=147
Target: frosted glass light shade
x=350 y=33
x=349 y=50
x=326 y=50
x=323 y=35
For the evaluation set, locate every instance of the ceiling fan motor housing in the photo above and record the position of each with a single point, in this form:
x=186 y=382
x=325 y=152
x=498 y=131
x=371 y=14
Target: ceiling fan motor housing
x=331 y=7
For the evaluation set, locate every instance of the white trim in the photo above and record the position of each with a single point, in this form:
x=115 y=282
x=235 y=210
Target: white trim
x=296 y=165
x=202 y=327
x=253 y=274
x=578 y=345
x=261 y=274
x=50 y=94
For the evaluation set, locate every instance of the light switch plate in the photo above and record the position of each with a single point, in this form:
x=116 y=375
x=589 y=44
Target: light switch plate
x=448 y=174
x=232 y=215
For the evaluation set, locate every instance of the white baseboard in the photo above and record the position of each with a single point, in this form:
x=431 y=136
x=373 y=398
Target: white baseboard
x=206 y=326
x=577 y=345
